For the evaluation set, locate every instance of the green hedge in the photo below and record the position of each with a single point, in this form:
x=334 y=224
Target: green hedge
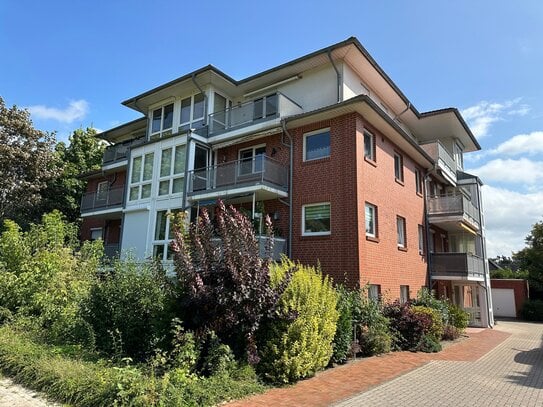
x=532 y=310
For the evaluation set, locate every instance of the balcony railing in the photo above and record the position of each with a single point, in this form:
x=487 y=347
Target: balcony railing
x=94 y=201
x=255 y=111
x=118 y=152
x=463 y=265
x=444 y=161
x=260 y=170
x=454 y=205
x=112 y=250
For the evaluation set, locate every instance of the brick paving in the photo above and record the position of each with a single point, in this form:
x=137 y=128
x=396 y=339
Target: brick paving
x=346 y=381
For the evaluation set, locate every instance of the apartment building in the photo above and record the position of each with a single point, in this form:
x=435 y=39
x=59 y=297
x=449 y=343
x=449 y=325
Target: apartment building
x=351 y=174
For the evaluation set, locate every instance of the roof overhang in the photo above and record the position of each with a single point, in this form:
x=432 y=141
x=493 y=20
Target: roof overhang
x=124 y=131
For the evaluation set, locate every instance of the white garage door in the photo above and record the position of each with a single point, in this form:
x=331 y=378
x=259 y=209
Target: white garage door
x=503 y=302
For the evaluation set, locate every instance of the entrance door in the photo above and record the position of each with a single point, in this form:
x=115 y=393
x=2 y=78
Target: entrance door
x=467 y=298
x=201 y=171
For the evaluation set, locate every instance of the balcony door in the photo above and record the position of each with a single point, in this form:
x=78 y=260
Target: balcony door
x=201 y=164
x=251 y=160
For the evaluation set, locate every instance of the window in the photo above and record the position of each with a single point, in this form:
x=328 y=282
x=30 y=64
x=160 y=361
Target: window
x=317 y=145
x=162 y=121
x=421 y=239
x=374 y=292
x=192 y=112
x=404 y=294
x=101 y=190
x=95 y=234
x=164 y=234
x=369 y=146
x=398 y=167
x=371 y=220
x=316 y=219
x=400 y=228
x=458 y=157
x=418 y=181
x=251 y=160
x=172 y=170
x=140 y=178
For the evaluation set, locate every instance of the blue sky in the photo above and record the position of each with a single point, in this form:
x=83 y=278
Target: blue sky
x=72 y=63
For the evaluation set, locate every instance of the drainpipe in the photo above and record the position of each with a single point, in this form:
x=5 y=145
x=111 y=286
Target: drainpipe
x=185 y=180
x=403 y=111
x=485 y=261
x=193 y=77
x=338 y=75
x=427 y=229
x=290 y=170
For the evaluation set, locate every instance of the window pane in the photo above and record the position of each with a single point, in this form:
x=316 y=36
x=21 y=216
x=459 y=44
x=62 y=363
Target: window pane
x=134 y=192
x=370 y=220
x=172 y=220
x=157 y=118
x=146 y=191
x=198 y=106
x=271 y=105
x=185 y=110
x=101 y=191
x=259 y=159
x=164 y=187
x=158 y=251
x=166 y=162
x=368 y=145
x=148 y=166
x=179 y=165
x=317 y=218
x=317 y=146
x=168 y=117
x=136 y=169
x=258 y=107
x=177 y=185
x=398 y=167
x=160 y=226
x=400 y=226
x=246 y=164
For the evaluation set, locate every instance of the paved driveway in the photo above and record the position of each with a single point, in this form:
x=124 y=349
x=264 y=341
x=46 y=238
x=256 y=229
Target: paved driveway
x=509 y=375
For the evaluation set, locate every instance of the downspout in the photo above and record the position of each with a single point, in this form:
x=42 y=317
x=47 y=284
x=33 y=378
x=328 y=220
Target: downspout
x=427 y=230
x=193 y=77
x=403 y=111
x=290 y=170
x=185 y=180
x=485 y=260
x=338 y=76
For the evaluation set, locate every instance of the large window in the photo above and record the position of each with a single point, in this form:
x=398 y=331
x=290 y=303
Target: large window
x=162 y=121
x=371 y=220
x=400 y=228
x=369 y=146
x=398 y=167
x=192 y=112
x=164 y=234
x=317 y=145
x=251 y=160
x=172 y=170
x=316 y=219
x=141 y=176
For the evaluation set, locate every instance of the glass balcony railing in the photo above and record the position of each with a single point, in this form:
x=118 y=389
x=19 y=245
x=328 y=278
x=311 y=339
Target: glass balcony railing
x=453 y=205
x=458 y=265
x=119 y=152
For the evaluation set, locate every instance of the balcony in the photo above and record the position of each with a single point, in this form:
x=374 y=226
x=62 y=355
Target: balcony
x=252 y=116
x=452 y=212
x=457 y=266
x=261 y=175
x=119 y=152
x=445 y=163
x=104 y=202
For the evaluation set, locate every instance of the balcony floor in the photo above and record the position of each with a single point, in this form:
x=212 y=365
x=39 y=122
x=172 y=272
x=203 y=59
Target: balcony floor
x=239 y=193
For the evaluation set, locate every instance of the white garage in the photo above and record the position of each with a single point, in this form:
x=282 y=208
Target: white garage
x=503 y=302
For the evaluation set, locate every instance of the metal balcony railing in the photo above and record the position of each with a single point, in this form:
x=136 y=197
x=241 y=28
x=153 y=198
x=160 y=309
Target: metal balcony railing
x=454 y=205
x=93 y=201
x=118 y=152
x=255 y=111
x=259 y=170
x=464 y=265
x=112 y=250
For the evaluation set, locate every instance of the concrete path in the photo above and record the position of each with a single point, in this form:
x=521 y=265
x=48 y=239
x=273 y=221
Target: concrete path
x=13 y=395
x=509 y=375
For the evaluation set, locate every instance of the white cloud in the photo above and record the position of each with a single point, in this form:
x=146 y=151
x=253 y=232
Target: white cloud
x=509 y=218
x=481 y=116
x=76 y=109
x=530 y=144
x=522 y=171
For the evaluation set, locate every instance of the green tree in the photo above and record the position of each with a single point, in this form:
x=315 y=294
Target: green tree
x=27 y=163
x=82 y=154
x=531 y=257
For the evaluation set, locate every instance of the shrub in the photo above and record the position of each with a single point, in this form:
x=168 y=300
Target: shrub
x=299 y=341
x=343 y=338
x=226 y=287
x=129 y=310
x=373 y=332
x=532 y=310
x=450 y=333
x=458 y=317
x=426 y=298
x=435 y=330
x=408 y=328
x=428 y=344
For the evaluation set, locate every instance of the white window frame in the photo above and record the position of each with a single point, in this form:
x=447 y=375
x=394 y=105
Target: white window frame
x=458 y=156
x=172 y=175
x=421 y=239
x=140 y=183
x=163 y=132
x=192 y=119
x=253 y=169
x=99 y=190
x=96 y=230
x=374 y=210
x=166 y=241
x=314 y=133
x=374 y=292
x=400 y=169
x=323 y=233
x=404 y=294
x=371 y=156
x=419 y=181
x=401 y=231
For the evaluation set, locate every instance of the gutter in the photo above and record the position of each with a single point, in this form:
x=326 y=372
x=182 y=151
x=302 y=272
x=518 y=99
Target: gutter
x=290 y=172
